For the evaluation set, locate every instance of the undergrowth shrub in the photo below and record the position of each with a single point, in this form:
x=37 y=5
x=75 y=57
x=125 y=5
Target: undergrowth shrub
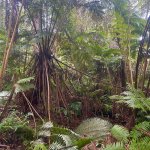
x=63 y=138
x=136 y=139
x=15 y=127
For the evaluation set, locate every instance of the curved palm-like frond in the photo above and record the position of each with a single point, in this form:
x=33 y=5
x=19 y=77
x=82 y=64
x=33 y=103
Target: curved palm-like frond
x=94 y=128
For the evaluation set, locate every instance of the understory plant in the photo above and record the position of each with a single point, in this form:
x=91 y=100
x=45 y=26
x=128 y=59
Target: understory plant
x=15 y=126
x=139 y=136
x=136 y=100
x=66 y=139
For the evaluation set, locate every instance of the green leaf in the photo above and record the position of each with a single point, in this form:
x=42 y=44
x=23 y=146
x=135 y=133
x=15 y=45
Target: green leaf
x=120 y=133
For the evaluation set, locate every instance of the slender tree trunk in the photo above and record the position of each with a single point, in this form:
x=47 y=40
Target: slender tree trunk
x=123 y=75
x=9 y=46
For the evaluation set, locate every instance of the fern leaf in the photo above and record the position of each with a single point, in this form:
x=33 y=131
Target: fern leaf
x=47 y=125
x=25 y=80
x=65 y=131
x=94 y=128
x=55 y=146
x=82 y=142
x=120 y=133
x=115 y=146
x=40 y=147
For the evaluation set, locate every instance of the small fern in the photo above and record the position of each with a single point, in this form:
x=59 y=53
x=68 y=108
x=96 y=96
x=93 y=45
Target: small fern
x=142 y=144
x=115 y=146
x=137 y=138
x=134 y=98
x=120 y=133
x=61 y=138
x=16 y=126
x=136 y=133
x=140 y=140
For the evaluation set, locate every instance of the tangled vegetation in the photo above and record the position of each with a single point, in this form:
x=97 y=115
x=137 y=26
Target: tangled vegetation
x=74 y=75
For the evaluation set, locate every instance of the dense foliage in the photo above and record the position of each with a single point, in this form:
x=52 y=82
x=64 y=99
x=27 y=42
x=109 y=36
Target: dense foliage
x=74 y=74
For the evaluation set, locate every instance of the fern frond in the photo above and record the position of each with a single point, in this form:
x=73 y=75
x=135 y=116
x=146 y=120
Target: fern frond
x=40 y=147
x=135 y=133
x=120 y=133
x=65 y=131
x=63 y=140
x=44 y=133
x=55 y=146
x=82 y=142
x=94 y=128
x=144 y=125
x=24 y=84
x=140 y=140
x=115 y=146
x=25 y=80
x=142 y=144
x=47 y=125
x=134 y=98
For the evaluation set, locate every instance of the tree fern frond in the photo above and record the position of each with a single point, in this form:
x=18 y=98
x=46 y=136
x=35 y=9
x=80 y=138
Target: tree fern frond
x=94 y=128
x=120 y=133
